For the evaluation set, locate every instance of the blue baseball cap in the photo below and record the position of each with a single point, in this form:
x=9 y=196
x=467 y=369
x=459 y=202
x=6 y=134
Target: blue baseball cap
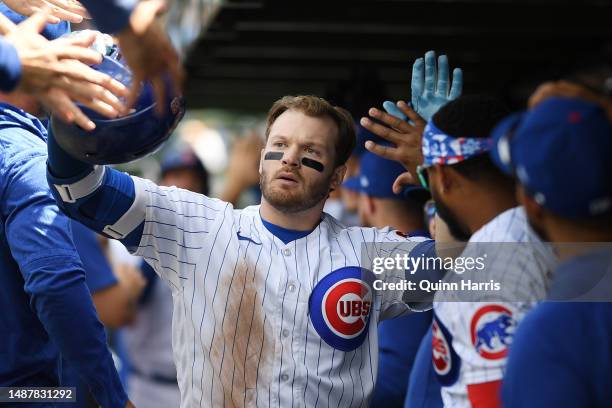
x=362 y=136
x=50 y=32
x=376 y=177
x=180 y=158
x=561 y=152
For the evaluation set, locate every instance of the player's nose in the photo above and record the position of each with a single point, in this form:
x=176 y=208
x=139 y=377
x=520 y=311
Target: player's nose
x=291 y=157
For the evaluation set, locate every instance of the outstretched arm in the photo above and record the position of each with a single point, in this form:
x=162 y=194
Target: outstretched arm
x=54 y=279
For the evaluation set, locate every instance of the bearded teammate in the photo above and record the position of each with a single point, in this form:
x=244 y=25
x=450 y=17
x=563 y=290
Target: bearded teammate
x=271 y=307
x=472 y=335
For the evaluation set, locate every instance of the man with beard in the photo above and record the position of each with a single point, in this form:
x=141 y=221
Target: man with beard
x=477 y=202
x=560 y=356
x=271 y=304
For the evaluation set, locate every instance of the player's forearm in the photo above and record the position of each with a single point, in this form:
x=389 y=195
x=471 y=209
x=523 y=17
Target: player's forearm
x=99 y=197
x=61 y=299
x=115 y=307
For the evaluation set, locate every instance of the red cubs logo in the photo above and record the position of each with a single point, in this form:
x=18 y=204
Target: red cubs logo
x=446 y=362
x=492 y=329
x=346 y=307
x=440 y=350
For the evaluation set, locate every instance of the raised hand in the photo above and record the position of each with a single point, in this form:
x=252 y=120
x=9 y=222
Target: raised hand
x=57 y=72
x=56 y=10
x=149 y=54
x=430 y=86
x=405 y=139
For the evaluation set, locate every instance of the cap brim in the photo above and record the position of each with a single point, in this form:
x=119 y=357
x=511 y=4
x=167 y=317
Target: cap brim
x=500 y=151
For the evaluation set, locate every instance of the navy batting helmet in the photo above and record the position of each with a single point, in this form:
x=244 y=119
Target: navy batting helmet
x=126 y=138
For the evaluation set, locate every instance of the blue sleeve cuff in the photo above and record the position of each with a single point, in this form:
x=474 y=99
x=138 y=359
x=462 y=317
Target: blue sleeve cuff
x=110 y=16
x=10 y=67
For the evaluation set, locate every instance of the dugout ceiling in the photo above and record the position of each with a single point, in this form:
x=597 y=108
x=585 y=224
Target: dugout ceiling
x=357 y=52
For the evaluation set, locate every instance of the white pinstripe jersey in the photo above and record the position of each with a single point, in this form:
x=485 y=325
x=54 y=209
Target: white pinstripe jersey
x=243 y=325
x=461 y=354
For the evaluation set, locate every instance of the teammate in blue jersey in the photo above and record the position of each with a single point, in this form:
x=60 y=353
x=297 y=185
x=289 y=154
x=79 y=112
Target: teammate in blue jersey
x=378 y=206
x=47 y=308
x=560 y=152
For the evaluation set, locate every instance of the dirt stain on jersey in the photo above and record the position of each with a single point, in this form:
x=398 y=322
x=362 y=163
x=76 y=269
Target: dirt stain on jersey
x=242 y=353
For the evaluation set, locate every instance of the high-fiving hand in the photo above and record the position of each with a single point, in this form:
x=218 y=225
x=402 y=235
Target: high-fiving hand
x=149 y=53
x=430 y=86
x=55 y=10
x=404 y=136
x=57 y=72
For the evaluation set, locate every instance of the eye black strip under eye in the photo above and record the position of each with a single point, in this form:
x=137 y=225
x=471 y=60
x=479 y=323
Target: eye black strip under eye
x=313 y=164
x=273 y=156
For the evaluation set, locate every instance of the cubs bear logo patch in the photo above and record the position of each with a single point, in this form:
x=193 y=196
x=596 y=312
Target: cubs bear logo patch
x=340 y=306
x=492 y=329
x=445 y=361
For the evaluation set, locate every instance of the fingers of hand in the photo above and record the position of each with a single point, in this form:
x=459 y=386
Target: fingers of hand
x=417 y=84
x=393 y=110
x=92 y=96
x=134 y=91
x=390 y=120
x=71 y=6
x=457 y=86
x=61 y=13
x=430 y=72
x=60 y=104
x=35 y=23
x=442 y=85
x=159 y=90
x=79 y=71
x=411 y=114
x=84 y=39
x=387 y=152
x=85 y=55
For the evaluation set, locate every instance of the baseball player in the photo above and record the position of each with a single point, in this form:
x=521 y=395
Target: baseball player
x=271 y=305
x=560 y=356
x=46 y=305
x=152 y=381
x=398 y=339
x=476 y=200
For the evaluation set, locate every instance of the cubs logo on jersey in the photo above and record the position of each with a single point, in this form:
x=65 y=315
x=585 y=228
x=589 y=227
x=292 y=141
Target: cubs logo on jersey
x=492 y=328
x=340 y=306
x=445 y=361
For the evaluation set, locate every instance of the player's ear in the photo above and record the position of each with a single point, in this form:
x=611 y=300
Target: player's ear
x=535 y=212
x=337 y=177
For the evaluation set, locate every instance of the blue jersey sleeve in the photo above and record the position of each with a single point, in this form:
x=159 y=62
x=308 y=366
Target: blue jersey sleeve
x=419 y=299
x=99 y=274
x=39 y=238
x=10 y=67
x=110 y=16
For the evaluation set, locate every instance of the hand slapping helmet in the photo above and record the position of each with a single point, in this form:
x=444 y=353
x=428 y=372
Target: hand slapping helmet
x=140 y=132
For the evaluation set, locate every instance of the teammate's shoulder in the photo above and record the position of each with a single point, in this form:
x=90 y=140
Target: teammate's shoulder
x=508 y=226
x=21 y=131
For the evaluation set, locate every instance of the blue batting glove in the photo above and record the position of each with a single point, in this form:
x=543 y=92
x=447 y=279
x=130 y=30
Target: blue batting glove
x=430 y=91
x=393 y=110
